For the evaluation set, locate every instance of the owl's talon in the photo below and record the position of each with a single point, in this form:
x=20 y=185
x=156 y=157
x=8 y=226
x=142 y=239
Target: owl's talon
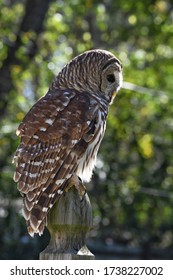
x=76 y=182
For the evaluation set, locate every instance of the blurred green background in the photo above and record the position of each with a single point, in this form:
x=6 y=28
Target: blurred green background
x=132 y=188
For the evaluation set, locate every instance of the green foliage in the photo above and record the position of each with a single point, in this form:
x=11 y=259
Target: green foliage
x=131 y=191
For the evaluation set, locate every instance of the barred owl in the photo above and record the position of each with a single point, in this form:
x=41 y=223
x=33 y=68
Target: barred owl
x=61 y=134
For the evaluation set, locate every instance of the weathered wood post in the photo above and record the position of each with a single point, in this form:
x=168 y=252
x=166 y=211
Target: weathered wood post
x=68 y=223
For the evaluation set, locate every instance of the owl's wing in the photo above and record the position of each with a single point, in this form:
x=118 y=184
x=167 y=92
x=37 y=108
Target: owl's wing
x=54 y=135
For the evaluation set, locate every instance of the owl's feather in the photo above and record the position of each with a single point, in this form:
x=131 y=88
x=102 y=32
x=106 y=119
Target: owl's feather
x=55 y=136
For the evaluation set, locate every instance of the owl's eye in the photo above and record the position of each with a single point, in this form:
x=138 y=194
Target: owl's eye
x=111 y=78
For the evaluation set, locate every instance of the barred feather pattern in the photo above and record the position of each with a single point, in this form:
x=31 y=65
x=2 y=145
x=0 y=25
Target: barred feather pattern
x=60 y=136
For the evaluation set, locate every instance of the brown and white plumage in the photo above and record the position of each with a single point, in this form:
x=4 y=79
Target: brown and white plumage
x=61 y=134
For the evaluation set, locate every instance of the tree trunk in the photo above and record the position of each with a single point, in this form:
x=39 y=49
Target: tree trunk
x=33 y=21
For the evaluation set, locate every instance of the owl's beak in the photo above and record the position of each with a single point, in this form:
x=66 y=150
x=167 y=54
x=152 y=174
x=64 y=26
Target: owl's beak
x=114 y=94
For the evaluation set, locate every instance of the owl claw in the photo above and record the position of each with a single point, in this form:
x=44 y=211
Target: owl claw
x=76 y=182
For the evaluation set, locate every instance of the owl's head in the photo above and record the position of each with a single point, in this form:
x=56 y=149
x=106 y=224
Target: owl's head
x=95 y=71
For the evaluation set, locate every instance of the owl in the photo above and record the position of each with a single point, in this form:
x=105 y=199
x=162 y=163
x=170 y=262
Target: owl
x=61 y=134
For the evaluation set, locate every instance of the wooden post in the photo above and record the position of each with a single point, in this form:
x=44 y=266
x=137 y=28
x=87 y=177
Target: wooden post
x=68 y=223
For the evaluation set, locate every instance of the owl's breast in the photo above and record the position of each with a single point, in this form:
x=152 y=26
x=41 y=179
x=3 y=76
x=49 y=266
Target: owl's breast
x=87 y=162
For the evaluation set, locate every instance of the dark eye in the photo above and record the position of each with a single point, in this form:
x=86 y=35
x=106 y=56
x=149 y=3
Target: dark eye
x=111 y=78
